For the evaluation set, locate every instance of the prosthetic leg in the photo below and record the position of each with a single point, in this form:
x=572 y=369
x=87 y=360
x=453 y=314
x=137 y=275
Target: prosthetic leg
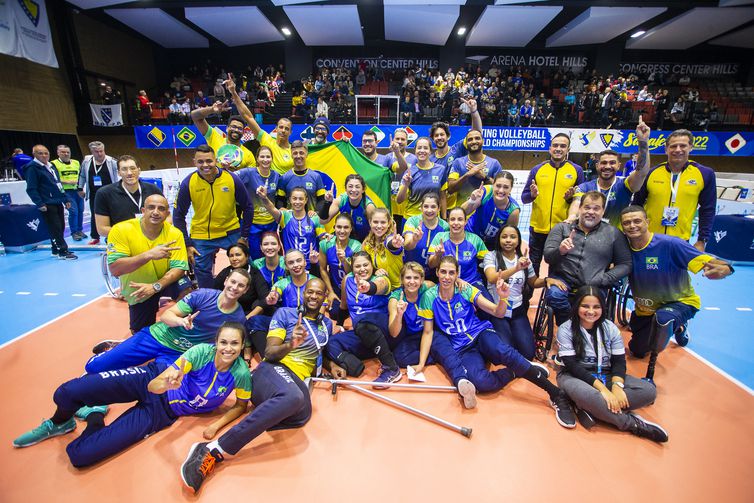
x=659 y=336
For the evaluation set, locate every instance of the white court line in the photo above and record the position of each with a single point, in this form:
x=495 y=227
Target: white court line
x=78 y=295
x=719 y=371
x=50 y=294
x=23 y=293
x=52 y=320
x=743 y=309
x=712 y=308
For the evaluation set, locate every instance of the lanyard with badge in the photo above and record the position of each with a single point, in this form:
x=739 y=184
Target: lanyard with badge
x=670 y=213
x=607 y=199
x=316 y=342
x=51 y=170
x=133 y=200
x=96 y=179
x=598 y=351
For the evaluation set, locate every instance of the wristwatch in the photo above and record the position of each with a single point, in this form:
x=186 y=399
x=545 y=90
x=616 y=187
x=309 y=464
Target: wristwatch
x=157 y=287
x=619 y=384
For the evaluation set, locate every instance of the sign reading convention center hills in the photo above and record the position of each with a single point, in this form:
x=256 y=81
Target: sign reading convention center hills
x=531 y=139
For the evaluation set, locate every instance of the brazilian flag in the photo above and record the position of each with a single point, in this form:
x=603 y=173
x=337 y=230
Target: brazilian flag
x=336 y=160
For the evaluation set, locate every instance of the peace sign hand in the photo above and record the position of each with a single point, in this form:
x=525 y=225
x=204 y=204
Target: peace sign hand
x=330 y=194
x=340 y=252
x=188 y=321
x=218 y=107
x=230 y=84
x=162 y=251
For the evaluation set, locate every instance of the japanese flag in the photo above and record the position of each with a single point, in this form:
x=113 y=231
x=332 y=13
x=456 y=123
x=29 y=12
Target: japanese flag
x=735 y=143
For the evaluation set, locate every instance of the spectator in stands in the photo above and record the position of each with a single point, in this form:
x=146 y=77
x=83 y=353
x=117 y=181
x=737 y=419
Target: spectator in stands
x=645 y=94
x=298 y=102
x=525 y=114
x=406 y=110
x=678 y=111
x=361 y=80
x=514 y=119
x=416 y=110
x=323 y=110
x=174 y=112
x=662 y=101
x=201 y=101
x=548 y=111
x=219 y=91
x=185 y=113
x=98 y=170
x=109 y=97
x=144 y=107
x=20 y=160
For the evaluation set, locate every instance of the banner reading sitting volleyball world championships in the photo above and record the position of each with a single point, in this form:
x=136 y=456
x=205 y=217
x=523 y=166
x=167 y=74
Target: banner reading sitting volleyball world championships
x=533 y=139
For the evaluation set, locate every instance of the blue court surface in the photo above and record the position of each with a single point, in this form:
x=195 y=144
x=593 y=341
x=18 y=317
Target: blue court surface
x=36 y=288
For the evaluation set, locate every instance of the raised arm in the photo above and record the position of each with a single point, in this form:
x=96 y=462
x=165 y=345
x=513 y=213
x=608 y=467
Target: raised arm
x=243 y=110
x=199 y=115
x=639 y=174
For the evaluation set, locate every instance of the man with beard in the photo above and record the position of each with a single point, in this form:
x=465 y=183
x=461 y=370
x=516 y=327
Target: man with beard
x=282 y=157
x=445 y=154
x=321 y=127
x=618 y=190
x=467 y=173
x=586 y=252
x=369 y=147
x=549 y=189
x=231 y=154
x=97 y=171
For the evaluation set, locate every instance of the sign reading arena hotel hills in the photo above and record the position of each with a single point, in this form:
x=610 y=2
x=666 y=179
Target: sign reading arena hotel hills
x=541 y=60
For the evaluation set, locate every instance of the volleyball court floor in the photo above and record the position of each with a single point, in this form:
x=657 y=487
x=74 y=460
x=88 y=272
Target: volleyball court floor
x=355 y=448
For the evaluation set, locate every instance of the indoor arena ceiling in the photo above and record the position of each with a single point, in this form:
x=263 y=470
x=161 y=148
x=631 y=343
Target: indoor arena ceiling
x=666 y=25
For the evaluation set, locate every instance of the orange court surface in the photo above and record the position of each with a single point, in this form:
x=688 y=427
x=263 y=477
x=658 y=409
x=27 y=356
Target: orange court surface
x=356 y=447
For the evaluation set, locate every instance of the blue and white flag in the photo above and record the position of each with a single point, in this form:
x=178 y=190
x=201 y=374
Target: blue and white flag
x=106 y=115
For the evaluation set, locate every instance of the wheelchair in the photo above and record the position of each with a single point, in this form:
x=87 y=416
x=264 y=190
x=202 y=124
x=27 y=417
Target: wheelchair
x=619 y=303
x=112 y=283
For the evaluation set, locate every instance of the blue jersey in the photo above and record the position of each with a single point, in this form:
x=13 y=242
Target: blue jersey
x=361 y=304
x=290 y=294
x=660 y=273
x=491 y=168
x=423 y=182
x=252 y=180
x=358 y=215
x=206 y=323
x=488 y=219
x=305 y=359
x=421 y=252
x=468 y=253
x=334 y=265
x=455 y=317
x=299 y=234
x=269 y=275
x=411 y=319
x=391 y=162
x=618 y=196
x=309 y=180
x=204 y=388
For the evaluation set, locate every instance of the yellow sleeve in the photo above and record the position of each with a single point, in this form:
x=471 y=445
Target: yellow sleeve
x=117 y=243
x=277 y=332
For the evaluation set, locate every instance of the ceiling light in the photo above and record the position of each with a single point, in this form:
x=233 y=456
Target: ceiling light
x=286 y=32
x=461 y=30
x=638 y=34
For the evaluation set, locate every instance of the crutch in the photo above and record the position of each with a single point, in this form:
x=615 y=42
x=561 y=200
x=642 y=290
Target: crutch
x=466 y=432
x=427 y=387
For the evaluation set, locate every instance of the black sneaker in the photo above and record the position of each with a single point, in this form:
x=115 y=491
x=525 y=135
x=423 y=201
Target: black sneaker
x=199 y=465
x=585 y=419
x=563 y=410
x=105 y=345
x=68 y=256
x=647 y=429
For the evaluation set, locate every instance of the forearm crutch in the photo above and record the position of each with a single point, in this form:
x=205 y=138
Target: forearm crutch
x=427 y=387
x=466 y=432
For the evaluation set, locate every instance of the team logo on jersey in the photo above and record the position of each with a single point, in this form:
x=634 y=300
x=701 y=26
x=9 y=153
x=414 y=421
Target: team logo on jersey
x=652 y=263
x=719 y=235
x=309 y=185
x=156 y=136
x=110 y=247
x=221 y=390
x=458 y=307
x=225 y=189
x=308 y=228
x=31 y=9
x=569 y=176
x=33 y=224
x=379 y=133
x=342 y=134
x=186 y=136
x=307 y=133
x=467 y=254
x=435 y=179
x=691 y=182
x=412 y=136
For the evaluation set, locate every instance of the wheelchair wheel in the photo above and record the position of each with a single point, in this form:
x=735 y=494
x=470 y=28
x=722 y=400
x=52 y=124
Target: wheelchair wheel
x=543 y=330
x=623 y=311
x=112 y=283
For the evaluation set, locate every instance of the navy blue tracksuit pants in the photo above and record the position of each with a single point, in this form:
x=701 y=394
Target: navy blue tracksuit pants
x=471 y=362
x=136 y=350
x=281 y=401
x=150 y=414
